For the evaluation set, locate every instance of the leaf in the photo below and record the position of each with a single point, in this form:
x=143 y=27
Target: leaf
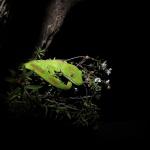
x=33 y=87
x=68 y=115
x=10 y=80
x=13 y=97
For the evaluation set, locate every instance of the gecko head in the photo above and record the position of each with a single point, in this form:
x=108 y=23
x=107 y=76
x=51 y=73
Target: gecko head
x=74 y=75
x=76 y=78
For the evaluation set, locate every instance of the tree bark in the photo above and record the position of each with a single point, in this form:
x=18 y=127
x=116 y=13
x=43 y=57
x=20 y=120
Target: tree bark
x=54 y=17
x=52 y=20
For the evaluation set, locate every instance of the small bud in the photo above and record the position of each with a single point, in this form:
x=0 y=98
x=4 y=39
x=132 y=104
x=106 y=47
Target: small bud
x=87 y=57
x=97 y=80
x=76 y=89
x=107 y=81
x=108 y=71
x=104 y=65
x=108 y=87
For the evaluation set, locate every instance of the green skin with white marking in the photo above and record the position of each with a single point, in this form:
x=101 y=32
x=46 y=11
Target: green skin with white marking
x=47 y=69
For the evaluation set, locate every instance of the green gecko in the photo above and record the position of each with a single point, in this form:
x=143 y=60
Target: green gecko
x=47 y=69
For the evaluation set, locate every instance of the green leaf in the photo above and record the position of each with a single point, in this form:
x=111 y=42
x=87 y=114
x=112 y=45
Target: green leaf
x=68 y=115
x=33 y=87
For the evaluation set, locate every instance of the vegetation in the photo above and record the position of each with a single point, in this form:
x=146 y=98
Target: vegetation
x=30 y=95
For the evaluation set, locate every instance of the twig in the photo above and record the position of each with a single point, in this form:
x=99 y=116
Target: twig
x=61 y=104
x=75 y=58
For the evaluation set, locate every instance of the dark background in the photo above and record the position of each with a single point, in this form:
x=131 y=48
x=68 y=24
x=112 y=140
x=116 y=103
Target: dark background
x=105 y=29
